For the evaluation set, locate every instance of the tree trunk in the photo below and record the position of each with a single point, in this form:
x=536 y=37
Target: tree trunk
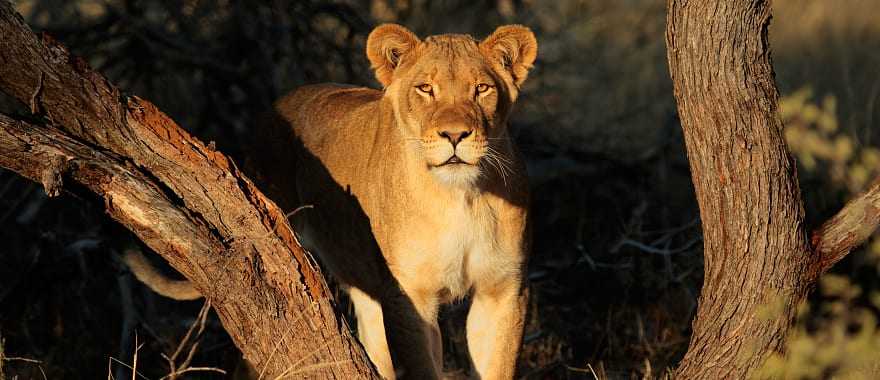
x=759 y=264
x=185 y=200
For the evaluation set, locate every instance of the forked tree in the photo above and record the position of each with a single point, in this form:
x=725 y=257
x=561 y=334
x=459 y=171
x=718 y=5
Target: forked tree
x=757 y=251
x=193 y=206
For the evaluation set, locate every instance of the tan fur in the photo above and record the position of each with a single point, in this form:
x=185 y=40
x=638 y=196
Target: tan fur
x=175 y=289
x=401 y=230
x=443 y=231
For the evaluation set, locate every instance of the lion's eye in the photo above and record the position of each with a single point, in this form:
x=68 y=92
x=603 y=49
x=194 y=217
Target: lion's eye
x=426 y=88
x=482 y=88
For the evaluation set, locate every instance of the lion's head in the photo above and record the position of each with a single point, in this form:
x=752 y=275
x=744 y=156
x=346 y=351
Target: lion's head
x=452 y=94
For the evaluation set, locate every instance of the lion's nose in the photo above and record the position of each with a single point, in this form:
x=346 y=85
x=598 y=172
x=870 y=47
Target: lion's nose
x=455 y=134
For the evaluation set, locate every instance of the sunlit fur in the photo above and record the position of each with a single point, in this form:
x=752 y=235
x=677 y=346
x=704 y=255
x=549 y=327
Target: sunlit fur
x=454 y=67
x=445 y=228
x=442 y=230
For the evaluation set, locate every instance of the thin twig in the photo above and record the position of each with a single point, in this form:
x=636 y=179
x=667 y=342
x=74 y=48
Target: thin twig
x=590 y=366
x=198 y=326
x=9 y=359
x=26 y=360
x=129 y=367
x=192 y=369
x=135 y=360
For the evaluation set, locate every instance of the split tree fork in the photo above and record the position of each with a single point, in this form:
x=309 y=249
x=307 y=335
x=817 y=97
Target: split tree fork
x=756 y=245
x=216 y=228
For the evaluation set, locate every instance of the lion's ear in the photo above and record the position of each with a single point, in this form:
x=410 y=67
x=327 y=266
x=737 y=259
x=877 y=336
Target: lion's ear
x=514 y=48
x=386 y=46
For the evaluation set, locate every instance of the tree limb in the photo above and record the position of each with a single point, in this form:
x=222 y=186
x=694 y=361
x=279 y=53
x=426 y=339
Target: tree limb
x=848 y=229
x=188 y=202
x=131 y=198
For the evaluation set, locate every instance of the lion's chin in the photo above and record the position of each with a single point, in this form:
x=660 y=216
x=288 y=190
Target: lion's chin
x=456 y=175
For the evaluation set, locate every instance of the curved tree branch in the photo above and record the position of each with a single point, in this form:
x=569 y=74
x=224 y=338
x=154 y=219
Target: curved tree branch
x=185 y=200
x=130 y=196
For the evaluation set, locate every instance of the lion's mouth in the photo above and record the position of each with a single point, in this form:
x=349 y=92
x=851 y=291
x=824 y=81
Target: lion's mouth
x=454 y=160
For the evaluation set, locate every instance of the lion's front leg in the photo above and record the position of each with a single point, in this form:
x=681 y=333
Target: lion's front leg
x=411 y=330
x=494 y=329
x=371 y=332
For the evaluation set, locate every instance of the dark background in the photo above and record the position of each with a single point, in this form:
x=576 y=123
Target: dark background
x=617 y=263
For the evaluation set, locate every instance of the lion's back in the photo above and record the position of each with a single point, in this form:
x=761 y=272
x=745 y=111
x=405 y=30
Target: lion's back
x=326 y=106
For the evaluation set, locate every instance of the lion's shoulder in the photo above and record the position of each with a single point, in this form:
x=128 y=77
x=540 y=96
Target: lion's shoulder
x=325 y=100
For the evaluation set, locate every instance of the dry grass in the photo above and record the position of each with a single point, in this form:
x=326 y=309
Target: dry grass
x=4 y=359
x=189 y=343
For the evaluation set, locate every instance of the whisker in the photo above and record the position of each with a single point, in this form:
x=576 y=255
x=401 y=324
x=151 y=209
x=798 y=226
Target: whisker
x=499 y=163
x=507 y=163
x=490 y=161
x=506 y=160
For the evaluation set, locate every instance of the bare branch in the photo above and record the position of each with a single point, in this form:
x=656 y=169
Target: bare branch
x=185 y=200
x=848 y=229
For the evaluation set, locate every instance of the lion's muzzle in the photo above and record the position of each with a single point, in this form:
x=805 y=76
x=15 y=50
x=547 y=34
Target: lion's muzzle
x=456 y=136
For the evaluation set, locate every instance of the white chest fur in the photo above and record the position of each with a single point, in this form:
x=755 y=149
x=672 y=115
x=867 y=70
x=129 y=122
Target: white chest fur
x=451 y=247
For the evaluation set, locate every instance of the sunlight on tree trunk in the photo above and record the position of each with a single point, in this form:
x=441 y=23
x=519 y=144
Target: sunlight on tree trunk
x=185 y=200
x=759 y=264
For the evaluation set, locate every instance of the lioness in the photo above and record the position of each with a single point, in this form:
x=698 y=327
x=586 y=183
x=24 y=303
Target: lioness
x=419 y=197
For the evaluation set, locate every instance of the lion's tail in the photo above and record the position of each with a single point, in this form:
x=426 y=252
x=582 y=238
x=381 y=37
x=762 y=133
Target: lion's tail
x=181 y=290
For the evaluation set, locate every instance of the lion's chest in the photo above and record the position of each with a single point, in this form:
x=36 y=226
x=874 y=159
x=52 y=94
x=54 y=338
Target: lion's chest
x=449 y=248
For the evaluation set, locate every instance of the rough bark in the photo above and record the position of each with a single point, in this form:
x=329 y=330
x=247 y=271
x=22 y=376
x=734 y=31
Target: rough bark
x=848 y=229
x=759 y=264
x=185 y=200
